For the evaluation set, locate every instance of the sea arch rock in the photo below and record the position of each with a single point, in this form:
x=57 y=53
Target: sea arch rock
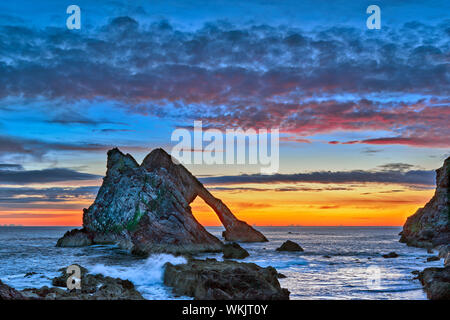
x=145 y=208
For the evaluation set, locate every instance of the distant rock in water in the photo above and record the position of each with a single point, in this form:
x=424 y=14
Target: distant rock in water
x=145 y=208
x=224 y=280
x=390 y=255
x=234 y=251
x=290 y=246
x=429 y=226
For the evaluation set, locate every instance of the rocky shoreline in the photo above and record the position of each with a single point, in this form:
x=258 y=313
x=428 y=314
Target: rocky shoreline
x=429 y=228
x=200 y=279
x=93 y=287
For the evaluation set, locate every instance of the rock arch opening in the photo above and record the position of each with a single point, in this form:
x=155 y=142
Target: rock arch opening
x=204 y=214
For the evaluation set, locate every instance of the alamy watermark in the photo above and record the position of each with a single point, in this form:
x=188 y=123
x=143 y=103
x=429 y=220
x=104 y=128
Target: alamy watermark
x=373 y=279
x=74 y=279
x=228 y=147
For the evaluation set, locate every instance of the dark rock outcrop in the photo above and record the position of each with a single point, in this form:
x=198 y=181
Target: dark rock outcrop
x=429 y=226
x=234 y=251
x=436 y=283
x=433 y=258
x=224 y=280
x=390 y=255
x=8 y=293
x=290 y=246
x=145 y=208
x=93 y=287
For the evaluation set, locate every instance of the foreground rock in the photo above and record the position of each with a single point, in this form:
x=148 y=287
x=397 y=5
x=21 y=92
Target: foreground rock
x=8 y=293
x=290 y=246
x=436 y=283
x=224 y=280
x=234 y=251
x=145 y=208
x=429 y=226
x=93 y=287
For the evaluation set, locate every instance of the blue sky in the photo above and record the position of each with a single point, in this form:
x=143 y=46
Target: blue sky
x=135 y=72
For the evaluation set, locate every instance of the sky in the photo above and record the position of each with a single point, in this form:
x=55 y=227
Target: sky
x=363 y=114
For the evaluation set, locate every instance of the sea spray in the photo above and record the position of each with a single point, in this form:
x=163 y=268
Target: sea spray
x=147 y=275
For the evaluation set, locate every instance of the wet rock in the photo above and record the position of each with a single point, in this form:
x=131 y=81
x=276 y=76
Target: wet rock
x=29 y=274
x=436 y=283
x=430 y=251
x=290 y=246
x=281 y=276
x=145 y=209
x=224 y=280
x=93 y=287
x=8 y=293
x=234 y=251
x=75 y=238
x=429 y=226
x=444 y=251
x=434 y=258
x=390 y=255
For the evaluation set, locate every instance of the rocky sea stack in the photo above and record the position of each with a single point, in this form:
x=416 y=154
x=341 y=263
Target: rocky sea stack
x=145 y=208
x=429 y=226
x=224 y=280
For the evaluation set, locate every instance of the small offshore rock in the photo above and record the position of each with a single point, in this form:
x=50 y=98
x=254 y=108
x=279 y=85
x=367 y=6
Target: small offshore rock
x=234 y=251
x=390 y=255
x=290 y=246
x=29 y=274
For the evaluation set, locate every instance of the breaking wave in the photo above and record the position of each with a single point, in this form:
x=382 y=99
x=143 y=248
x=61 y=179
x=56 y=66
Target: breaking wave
x=147 y=276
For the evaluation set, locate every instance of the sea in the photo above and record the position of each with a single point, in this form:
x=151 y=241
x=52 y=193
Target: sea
x=337 y=262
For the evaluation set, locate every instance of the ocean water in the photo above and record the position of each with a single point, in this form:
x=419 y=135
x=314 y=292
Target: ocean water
x=338 y=262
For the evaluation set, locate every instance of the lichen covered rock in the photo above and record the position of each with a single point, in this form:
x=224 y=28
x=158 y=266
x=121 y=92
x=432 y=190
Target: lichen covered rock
x=145 y=208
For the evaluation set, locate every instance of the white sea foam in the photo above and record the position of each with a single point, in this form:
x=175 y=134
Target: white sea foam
x=147 y=275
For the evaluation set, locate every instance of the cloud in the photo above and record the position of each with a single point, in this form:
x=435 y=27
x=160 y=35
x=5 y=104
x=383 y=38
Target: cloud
x=305 y=82
x=420 y=177
x=34 y=215
x=56 y=194
x=14 y=177
x=37 y=148
x=396 y=166
x=9 y=166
